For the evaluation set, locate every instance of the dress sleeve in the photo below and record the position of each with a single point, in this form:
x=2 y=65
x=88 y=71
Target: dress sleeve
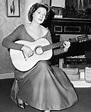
x=9 y=41
x=48 y=37
x=58 y=51
x=55 y=51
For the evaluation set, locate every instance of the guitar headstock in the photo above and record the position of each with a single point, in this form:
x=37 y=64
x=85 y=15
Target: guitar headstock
x=80 y=39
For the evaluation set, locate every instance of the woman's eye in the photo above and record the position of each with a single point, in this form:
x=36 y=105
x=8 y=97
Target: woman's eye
x=38 y=12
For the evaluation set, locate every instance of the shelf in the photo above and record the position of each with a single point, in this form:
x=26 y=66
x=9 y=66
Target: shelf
x=80 y=66
x=72 y=19
x=81 y=84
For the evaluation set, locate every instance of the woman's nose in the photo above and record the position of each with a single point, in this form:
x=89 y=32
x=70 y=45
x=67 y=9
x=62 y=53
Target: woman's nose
x=41 y=16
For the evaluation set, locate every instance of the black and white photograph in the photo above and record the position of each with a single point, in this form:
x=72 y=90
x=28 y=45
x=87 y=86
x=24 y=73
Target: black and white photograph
x=45 y=56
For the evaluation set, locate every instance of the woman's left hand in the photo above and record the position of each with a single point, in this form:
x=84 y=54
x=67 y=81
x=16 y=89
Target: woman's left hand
x=66 y=45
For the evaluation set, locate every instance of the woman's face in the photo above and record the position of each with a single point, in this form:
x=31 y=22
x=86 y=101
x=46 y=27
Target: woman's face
x=39 y=15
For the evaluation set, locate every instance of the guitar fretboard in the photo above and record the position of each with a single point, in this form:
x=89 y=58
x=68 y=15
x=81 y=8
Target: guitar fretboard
x=60 y=44
x=52 y=46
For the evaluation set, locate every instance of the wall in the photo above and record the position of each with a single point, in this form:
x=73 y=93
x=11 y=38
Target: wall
x=7 y=25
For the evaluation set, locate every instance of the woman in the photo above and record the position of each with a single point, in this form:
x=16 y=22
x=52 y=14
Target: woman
x=43 y=87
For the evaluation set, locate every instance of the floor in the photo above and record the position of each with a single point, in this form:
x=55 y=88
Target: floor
x=7 y=105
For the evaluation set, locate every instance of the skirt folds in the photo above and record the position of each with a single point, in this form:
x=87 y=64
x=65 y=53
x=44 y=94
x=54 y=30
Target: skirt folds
x=44 y=87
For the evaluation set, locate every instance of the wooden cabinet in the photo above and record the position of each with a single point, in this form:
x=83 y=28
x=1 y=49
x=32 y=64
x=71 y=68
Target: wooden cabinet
x=71 y=26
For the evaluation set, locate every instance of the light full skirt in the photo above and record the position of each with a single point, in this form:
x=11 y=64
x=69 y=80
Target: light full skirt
x=44 y=87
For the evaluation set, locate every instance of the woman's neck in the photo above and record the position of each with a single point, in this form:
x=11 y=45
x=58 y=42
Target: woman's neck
x=34 y=26
x=35 y=30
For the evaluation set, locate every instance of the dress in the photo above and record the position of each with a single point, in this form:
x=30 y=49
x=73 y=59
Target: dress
x=44 y=87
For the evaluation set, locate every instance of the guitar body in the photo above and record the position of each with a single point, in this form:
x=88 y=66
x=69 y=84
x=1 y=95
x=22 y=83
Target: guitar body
x=17 y=56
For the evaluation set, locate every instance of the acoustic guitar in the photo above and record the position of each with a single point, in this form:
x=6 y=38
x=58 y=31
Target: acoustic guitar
x=22 y=64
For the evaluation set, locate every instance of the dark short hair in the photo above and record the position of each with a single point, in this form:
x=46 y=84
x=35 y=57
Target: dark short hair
x=34 y=7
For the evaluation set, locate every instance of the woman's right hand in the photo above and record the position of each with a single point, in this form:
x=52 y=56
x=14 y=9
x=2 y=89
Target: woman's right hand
x=27 y=51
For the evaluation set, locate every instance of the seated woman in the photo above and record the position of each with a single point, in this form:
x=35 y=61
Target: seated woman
x=44 y=87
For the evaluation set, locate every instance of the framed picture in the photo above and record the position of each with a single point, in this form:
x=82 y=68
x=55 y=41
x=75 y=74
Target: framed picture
x=13 y=8
x=57 y=3
x=57 y=10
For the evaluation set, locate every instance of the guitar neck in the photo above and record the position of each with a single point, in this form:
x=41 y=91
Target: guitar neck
x=60 y=44
x=52 y=46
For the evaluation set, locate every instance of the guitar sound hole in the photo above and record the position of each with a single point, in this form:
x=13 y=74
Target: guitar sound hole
x=38 y=50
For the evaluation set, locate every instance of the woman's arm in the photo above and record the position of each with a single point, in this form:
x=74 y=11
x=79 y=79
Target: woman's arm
x=63 y=49
x=9 y=41
x=58 y=51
